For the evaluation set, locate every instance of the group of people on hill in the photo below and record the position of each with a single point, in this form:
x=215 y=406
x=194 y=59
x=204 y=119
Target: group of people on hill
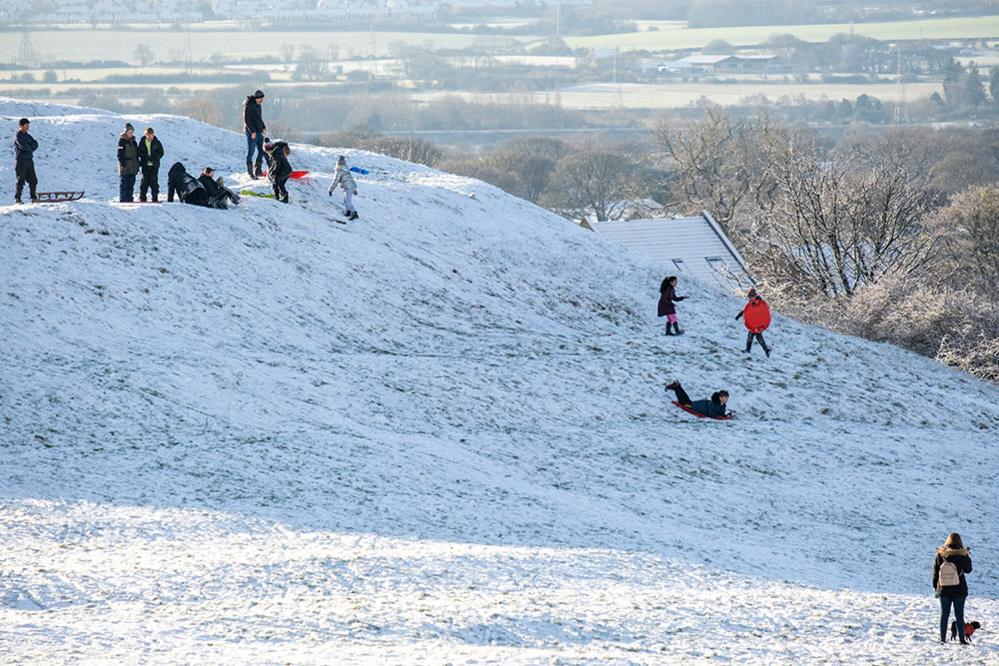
x=143 y=156
x=756 y=318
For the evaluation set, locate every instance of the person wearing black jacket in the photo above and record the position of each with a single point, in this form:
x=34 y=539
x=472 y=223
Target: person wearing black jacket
x=150 y=154
x=128 y=164
x=24 y=161
x=280 y=170
x=952 y=551
x=667 y=296
x=187 y=188
x=254 y=127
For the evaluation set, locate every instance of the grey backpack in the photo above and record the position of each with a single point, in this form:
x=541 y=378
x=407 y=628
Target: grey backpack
x=948 y=575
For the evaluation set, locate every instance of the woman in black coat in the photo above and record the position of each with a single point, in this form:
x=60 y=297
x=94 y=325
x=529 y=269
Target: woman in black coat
x=667 y=296
x=952 y=551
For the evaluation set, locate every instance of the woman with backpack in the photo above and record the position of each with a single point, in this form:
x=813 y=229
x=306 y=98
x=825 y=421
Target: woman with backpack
x=667 y=296
x=952 y=562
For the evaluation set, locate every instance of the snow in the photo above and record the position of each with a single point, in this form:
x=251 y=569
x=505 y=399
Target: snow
x=440 y=434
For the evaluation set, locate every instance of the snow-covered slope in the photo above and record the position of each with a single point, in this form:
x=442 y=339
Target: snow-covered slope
x=441 y=433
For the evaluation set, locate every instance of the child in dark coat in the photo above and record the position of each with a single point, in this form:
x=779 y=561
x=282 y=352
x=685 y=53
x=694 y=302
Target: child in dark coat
x=667 y=296
x=712 y=408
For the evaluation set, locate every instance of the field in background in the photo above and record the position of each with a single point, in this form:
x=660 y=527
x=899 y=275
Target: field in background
x=676 y=95
x=673 y=35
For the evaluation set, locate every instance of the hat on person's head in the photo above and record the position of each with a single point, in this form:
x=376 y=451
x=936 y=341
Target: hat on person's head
x=23 y=121
x=752 y=292
x=258 y=94
x=128 y=126
x=208 y=170
x=341 y=160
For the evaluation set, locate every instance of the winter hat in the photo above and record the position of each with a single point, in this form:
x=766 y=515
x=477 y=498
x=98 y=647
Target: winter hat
x=258 y=94
x=23 y=121
x=128 y=126
x=341 y=160
x=752 y=293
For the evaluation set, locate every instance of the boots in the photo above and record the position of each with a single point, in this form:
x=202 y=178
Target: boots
x=676 y=328
x=249 y=169
x=257 y=170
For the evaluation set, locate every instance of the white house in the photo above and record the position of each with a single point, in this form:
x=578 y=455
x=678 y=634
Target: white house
x=694 y=247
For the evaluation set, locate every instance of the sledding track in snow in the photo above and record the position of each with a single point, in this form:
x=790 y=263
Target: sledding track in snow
x=441 y=432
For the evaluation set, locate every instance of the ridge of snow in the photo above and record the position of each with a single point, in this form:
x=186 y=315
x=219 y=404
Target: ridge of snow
x=261 y=416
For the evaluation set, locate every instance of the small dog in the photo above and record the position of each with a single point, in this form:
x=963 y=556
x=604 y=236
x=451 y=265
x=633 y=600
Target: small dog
x=969 y=629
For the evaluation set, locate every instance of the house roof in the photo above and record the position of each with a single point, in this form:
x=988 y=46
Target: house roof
x=693 y=247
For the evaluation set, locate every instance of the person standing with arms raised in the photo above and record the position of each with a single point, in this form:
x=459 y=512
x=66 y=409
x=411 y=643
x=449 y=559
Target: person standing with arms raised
x=254 y=127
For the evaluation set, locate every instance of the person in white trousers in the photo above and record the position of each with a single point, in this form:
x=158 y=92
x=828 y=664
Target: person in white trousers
x=342 y=178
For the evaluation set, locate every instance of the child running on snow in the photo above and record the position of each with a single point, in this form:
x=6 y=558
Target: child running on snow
x=712 y=408
x=756 y=317
x=667 y=296
x=343 y=179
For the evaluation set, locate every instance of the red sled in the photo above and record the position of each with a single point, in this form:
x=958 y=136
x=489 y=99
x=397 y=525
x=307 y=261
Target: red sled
x=295 y=175
x=57 y=197
x=727 y=417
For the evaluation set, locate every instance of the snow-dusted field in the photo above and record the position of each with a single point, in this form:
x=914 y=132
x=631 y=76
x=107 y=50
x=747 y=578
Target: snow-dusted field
x=439 y=434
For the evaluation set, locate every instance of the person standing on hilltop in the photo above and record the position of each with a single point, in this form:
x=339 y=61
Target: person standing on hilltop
x=280 y=170
x=128 y=164
x=150 y=154
x=951 y=563
x=254 y=127
x=24 y=161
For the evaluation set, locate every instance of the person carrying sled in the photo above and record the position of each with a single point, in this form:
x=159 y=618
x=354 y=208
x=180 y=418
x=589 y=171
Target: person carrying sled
x=342 y=178
x=128 y=164
x=254 y=127
x=951 y=563
x=714 y=407
x=150 y=154
x=667 y=296
x=756 y=317
x=188 y=189
x=279 y=170
x=24 y=161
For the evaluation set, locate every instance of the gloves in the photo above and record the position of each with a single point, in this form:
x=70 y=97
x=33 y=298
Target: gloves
x=329 y=192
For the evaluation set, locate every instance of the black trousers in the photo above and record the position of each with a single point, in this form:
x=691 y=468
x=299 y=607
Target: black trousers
x=150 y=182
x=280 y=191
x=25 y=171
x=681 y=396
x=759 y=338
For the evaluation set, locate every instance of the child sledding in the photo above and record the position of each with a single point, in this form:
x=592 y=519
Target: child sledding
x=711 y=408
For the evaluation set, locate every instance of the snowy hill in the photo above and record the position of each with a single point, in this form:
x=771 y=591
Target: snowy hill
x=440 y=433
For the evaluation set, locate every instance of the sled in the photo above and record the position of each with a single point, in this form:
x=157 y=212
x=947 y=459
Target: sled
x=57 y=197
x=727 y=417
x=295 y=175
x=363 y=172
x=259 y=195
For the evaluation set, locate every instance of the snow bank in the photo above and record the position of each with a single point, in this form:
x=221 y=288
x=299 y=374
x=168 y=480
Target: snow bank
x=440 y=430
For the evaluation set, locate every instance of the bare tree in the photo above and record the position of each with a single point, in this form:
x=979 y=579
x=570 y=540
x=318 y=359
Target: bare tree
x=143 y=54
x=843 y=222
x=971 y=224
x=593 y=182
x=714 y=163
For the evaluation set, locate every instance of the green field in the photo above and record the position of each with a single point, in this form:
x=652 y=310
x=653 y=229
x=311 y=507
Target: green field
x=675 y=36
x=85 y=44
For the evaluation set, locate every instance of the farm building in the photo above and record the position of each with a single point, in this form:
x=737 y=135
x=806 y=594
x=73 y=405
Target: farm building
x=693 y=247
x=713 y=64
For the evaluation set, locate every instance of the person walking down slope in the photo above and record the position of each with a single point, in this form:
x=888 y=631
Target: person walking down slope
x=279 y=170
x=342 y=178
x=24 y=161
x=756 y=317
x=951 y=563
x=715 y=407
x=128 y=164
x=254 y=127
x=667 y=296
x=150 y=154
